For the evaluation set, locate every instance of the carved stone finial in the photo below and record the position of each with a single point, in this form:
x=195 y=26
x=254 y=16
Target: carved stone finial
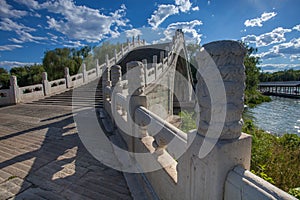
x=116 y=77
x=45 y=76
x=227 y=57
x=135 y=76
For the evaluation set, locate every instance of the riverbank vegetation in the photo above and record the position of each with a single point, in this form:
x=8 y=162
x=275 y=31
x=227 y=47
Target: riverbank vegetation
x=275 y=159
x=286 y=75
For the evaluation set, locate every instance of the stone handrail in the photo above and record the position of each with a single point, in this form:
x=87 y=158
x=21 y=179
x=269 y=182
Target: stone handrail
x=48 y=88
x=242 y=184
x=197 y=165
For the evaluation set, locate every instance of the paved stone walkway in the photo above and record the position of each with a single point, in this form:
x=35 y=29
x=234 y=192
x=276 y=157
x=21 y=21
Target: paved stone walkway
x=42 y=156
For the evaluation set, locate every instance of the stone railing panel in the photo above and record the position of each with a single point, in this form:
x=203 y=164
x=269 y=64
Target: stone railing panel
x=242 y=184
x=30 y=93
x=57 y=86
x=5 y=97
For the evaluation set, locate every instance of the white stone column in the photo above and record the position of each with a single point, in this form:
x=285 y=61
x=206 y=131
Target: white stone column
x=46 y=85
x=97 y=68
x=136 y=96
x=14 y=90
x=68 y=78
x=145 y=70
x=203 y=169
x=116 y=56
x=84 y=74
x=155 y=65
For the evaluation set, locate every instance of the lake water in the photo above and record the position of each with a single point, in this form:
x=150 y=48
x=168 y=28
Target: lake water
x=281 y=115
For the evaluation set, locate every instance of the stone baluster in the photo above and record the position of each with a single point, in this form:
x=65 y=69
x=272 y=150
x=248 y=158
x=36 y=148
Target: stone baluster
x=128 y=44
x=46 y=85
x=133 y=42
x=105 y=82
x=155 y=65
x=116 y=56
x=97 y=68
x=14 y=90
x=84 y=74
x=136 y=96
x=68 y=78
x=122 y=49
x=145 y=69
x=218 y=145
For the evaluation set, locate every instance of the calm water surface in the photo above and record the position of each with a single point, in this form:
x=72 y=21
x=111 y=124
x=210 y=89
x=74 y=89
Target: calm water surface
x=281 y=115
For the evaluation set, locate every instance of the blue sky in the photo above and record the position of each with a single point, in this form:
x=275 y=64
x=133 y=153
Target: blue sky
x=28 y=28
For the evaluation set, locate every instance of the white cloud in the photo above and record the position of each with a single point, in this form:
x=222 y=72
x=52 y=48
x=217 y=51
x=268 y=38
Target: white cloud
x=195 y=8
x=10 y=64
x=83 y=23
x=161 y=14
x=7 y=11
x=297 y=27
x=295 y=57
x=164 y=11
x=273 y=37
x=22 y=31
x=190 y=32
x=289 y=49
x=183 y=5
x=278 y=67
x=258 y=21
x=29 y=3
x=7 y=24
x=9 y=47
x=133 y=32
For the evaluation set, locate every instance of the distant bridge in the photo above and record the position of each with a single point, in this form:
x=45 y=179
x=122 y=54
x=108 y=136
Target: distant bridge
x=290 y=89
x=133 y=109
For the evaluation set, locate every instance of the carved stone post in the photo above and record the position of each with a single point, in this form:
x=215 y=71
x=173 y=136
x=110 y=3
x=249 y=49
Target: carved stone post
x=136 y=96
x=218 y=145
x=97 y=68
x=14 y=90
x=145 y=70
x=155 y=65
x=106 y=79
x=46 y=85
x=133 y=41
x=128 y=44
x=122 y=49
x=116 y=56
x=84 y=74
x=68 y=78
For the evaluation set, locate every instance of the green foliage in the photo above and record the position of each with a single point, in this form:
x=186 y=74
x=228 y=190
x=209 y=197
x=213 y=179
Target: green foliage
x=188 y=121
x=252 y=96
x=28 y=75
x=4 y=78
x=295 y=192
x=56 y=60
x=191 y=50
x=286 y=75
x=276 y=159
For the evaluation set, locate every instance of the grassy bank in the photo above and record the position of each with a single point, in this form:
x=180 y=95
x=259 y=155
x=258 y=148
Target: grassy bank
x=275 y=159
x=253 y=98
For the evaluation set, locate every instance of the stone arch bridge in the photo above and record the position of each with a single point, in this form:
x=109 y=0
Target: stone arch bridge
x=44 y=154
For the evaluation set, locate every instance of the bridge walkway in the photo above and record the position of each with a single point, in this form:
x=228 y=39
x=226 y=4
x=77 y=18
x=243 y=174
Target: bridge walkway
x=42 y=156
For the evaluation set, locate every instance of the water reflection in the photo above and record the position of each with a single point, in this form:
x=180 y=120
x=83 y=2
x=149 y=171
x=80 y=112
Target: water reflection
x=281 y=115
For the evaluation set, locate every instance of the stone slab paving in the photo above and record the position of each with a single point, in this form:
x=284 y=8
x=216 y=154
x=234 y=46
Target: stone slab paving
x=42 y=157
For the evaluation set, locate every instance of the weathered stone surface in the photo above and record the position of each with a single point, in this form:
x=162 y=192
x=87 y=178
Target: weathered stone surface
x=42 y=157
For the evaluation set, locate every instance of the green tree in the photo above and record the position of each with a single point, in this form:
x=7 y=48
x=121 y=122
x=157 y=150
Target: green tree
x=56 y=60
x=4 y=78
